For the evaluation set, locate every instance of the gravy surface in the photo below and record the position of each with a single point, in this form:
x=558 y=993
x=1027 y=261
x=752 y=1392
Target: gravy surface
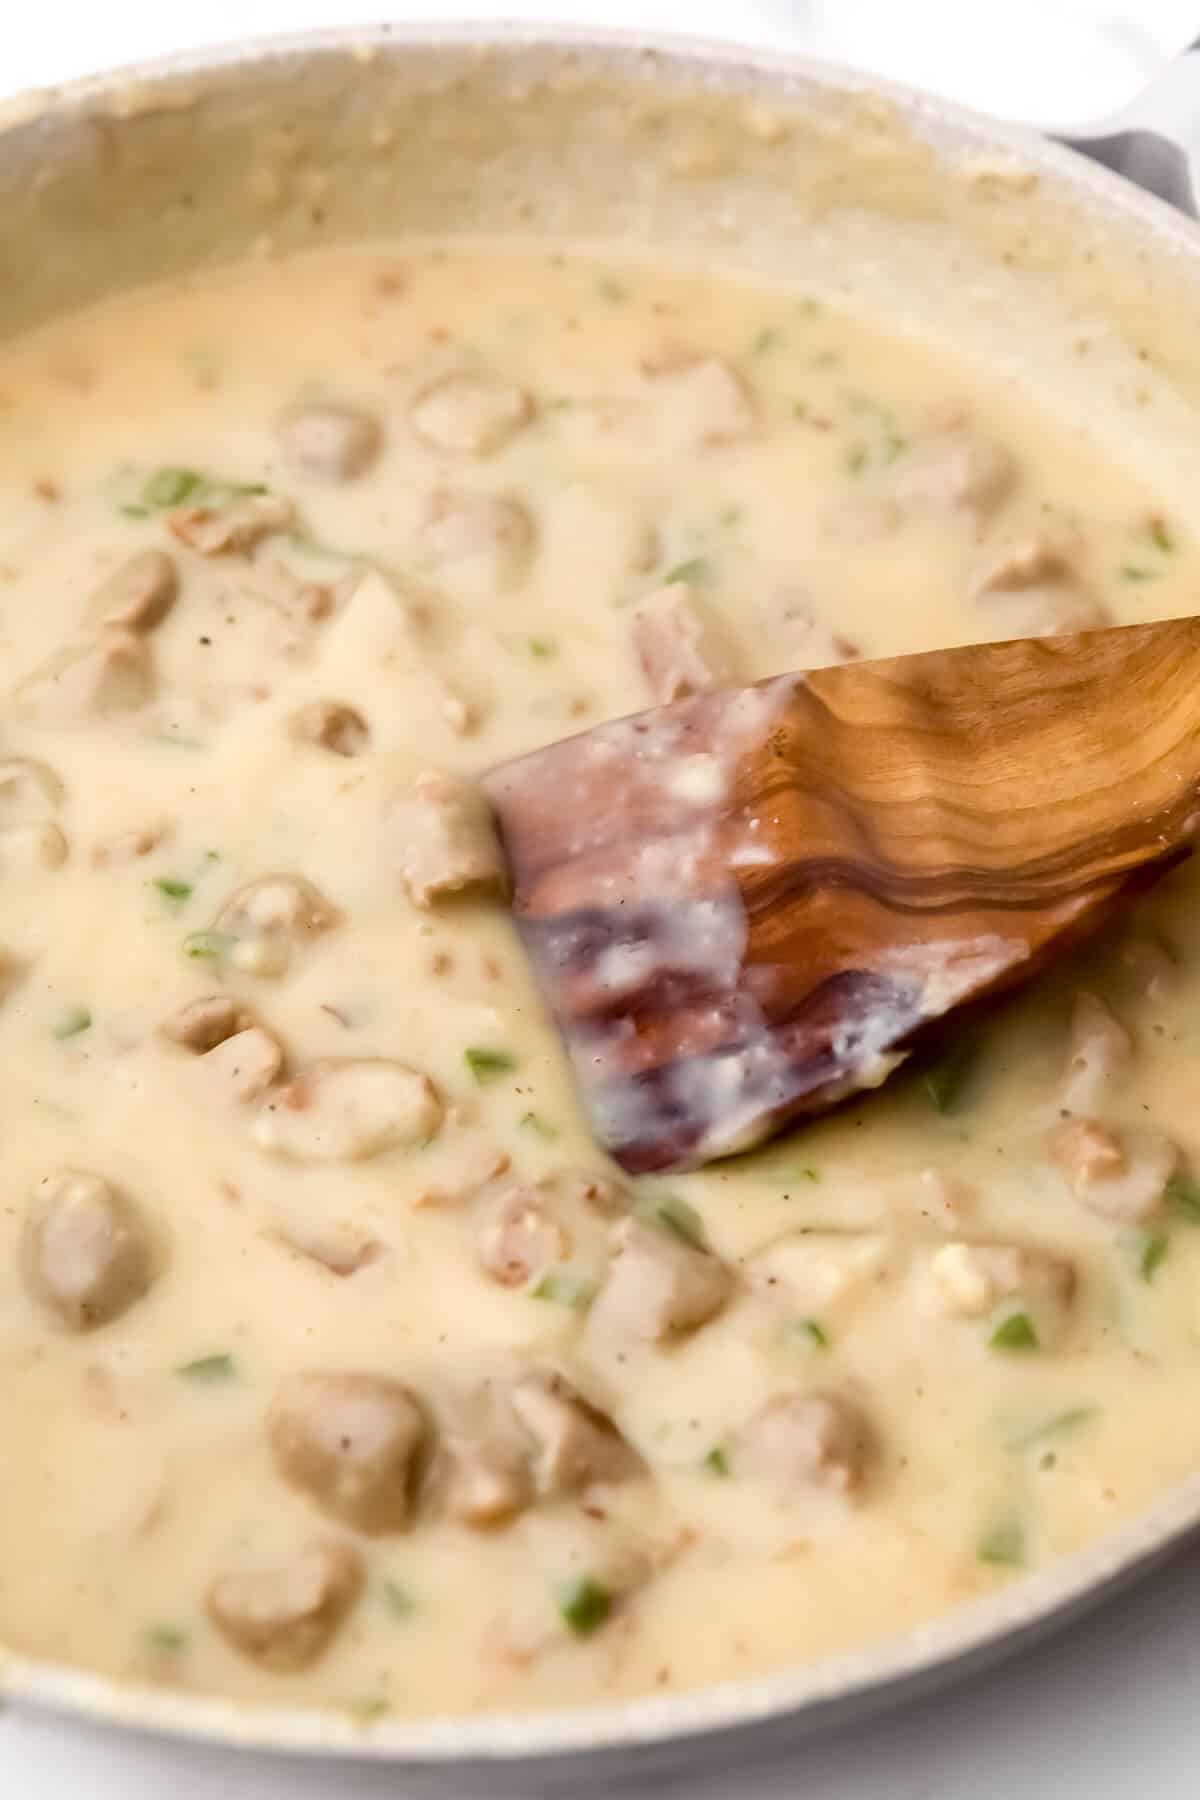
x=574 y=1438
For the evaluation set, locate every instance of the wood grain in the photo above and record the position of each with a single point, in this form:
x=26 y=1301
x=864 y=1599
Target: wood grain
x=746 y=906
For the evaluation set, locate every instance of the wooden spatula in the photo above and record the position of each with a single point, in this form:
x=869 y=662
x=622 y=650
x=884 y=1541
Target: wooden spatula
x=750 y=904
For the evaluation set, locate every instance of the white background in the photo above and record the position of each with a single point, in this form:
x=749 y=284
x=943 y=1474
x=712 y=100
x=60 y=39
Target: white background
x=1108 y=1710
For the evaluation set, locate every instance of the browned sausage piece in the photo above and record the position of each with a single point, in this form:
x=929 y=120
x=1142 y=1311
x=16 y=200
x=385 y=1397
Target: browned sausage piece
x=351 y=1442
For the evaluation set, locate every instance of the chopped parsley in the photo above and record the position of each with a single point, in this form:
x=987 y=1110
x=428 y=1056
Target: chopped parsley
x=310 y=546
x=1184 y=1195
x=1059 y=1425
x=488 y=1065
x=173 y=891
x=398 y=1600
x=673 y=1214
x=167 y=1640
x=694 y=568
x=1149 y=1250
x=76 y=1019
x=717 y=1461
x=178 y=739
x=534 y=1122
x=170 y=487
x=884 y=444
x=208 y=1370
x=810 y=1333
x=564 y=1287
x=584 y=1605
x=946 y=1080
x=1003 y=1545
x=370 y=1708
x=211 y=946
x=1015 y=1332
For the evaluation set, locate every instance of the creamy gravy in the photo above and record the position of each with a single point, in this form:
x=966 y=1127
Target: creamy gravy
x=425 y=511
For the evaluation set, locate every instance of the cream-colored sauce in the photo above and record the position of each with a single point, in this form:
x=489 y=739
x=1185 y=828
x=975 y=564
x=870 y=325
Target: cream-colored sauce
x=800 y=488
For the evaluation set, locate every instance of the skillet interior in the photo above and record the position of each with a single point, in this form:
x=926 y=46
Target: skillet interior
x=756 y=163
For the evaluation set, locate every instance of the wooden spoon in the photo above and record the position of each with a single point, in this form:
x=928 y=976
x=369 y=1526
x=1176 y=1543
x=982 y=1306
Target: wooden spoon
x=748 y=905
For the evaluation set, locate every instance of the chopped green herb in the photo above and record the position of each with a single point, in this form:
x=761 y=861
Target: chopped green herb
x=1134 y=572
x=72 y=1022
x=172 y=890
x=810 y=1333
x=673 y=1213
x=564 y=1288
x=945 y=1081
x=211 y=946
x=542 y=647
x=695 y=569
x=308 y=546
x=374 y=1706
x=488 y=1065
x=1059 y=1425
x=1184 y=1195
x=877 y=451
x=767 y=339
x=168 y=1640
x=170 y=487
x=177 y=740
x=212 y=493
x=134 y=512
x=717 y=1461
x=584 y=1605
x=398 y=1600
x=209 y=1369
x=1016 y=1332
x=799 y=409
x=1160 y=536
x=609 y=288
x=1003 y=1545
x=1149 y=1252
x=540 y=1127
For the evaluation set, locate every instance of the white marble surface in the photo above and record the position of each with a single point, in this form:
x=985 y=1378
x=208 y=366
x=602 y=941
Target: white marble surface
x=1106 y=1710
